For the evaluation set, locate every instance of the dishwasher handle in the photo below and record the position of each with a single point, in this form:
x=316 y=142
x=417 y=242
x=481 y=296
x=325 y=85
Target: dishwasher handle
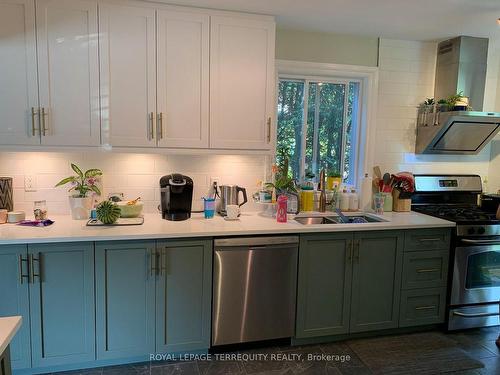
x=255 y=241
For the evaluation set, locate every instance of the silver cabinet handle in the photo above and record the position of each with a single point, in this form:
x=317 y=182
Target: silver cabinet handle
x=480 y=315
x=153 y=267
x=32 y=273
x=43 y=125
x=151 y=125
x=481 y=242
x=21 y=275
x=432 y=307
x=269 y=130
x=163 y=262
x=429 y=239
x=34 y=112
x=425 y=270
x=159 y=125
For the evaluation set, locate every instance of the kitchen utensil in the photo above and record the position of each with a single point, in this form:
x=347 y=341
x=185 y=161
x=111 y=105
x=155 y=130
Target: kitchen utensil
x=130 y=210
x=377 y=172
x=6 y=196
x=176 y=196
x=342 y=217
x=232 y=211
x=229 y=195
x=387 y=182
x=15 y=216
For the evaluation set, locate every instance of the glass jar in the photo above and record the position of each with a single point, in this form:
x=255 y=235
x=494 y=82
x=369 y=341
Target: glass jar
x=40 y=210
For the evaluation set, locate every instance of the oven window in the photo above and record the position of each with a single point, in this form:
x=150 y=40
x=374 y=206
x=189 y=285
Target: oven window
x=483 y=270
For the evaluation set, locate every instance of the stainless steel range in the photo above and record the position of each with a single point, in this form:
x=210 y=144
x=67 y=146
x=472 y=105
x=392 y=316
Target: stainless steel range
x=474 y=284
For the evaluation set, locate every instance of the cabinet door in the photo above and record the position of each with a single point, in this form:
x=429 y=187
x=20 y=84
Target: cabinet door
x=376 y=280
x=128 y=77
x=62 y=303
x=14 y=299
x=183 y=296
x=324 y=285
x=125 y=299
x=241 y=83
x=68 y=72
x=183 y=74
x=18 y=74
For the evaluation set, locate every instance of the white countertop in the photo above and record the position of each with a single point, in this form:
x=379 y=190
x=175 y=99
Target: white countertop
x=65 y=229
x=8 y=328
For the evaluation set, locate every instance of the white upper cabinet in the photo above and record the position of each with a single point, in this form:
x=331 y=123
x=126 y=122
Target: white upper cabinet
x=128 y=74
x=241 y=83
x=18 y=76
x=68 y=69
x=183 y=79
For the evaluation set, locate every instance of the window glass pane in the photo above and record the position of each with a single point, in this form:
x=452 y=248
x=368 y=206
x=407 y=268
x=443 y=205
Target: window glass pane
x=290 y=118
x=351 y=133
x=311 y=113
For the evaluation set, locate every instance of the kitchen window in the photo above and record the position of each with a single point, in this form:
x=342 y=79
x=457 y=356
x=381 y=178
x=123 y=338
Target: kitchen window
x=318 y=124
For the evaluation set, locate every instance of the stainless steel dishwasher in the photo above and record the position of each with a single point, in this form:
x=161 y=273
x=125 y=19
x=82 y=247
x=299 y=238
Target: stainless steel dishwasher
x=254 y=289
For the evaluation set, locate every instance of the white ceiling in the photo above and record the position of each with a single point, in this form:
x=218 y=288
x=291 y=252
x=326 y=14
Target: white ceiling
x=400 y=19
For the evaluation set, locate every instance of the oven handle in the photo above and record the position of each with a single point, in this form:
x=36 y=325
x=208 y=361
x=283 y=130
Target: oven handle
x=481 y=242
x=474 y=315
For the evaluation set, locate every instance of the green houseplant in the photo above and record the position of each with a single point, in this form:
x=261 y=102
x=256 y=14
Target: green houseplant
x=81 y=184
x=283 y=183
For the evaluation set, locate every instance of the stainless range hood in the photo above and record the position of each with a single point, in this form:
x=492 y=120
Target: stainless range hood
x=461 y=67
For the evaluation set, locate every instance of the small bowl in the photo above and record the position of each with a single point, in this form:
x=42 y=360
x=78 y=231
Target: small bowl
x=130 y=210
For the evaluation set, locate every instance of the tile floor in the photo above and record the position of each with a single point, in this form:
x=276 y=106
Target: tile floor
x=478 y=343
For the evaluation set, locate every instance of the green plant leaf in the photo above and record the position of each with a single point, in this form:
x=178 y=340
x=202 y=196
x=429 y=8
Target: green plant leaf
x=95 y=189
x=65 y=181
x=93 y=173
x=77 y=170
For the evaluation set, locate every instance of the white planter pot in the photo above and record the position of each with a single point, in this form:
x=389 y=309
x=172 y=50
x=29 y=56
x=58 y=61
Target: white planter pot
x=80 y=207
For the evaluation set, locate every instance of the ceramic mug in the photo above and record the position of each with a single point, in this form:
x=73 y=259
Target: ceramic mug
x=232 y=211
x=3 y=216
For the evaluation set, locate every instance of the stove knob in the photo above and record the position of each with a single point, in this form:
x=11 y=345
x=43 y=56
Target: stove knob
x=481 y=230
x=471 y=231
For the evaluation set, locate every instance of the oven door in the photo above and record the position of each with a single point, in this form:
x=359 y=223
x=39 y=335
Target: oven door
x=476 y=273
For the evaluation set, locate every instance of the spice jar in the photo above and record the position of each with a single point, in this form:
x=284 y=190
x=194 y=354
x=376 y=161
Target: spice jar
x=40 y=210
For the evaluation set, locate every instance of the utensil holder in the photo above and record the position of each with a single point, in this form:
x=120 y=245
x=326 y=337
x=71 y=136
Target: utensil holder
x=399 y=204
x=6 y=196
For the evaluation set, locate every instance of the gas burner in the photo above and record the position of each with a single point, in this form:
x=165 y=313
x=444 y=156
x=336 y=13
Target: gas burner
x=459 y=214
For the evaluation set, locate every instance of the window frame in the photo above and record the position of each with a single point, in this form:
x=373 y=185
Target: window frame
x=334 y=80
x=340 y=73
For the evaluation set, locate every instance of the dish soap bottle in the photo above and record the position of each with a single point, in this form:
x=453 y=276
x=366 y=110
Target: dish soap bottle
x=353 y=201
x=344 y=200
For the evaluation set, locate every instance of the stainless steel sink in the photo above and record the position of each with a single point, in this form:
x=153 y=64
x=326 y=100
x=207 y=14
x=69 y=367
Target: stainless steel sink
x=353 y=219
x=315 y=220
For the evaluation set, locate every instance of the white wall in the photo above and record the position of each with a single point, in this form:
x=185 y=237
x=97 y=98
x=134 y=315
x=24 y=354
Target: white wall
x=133 y=174
x=406 y=79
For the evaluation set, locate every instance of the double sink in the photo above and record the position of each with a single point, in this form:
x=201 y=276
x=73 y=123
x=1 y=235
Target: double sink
x=351 y=219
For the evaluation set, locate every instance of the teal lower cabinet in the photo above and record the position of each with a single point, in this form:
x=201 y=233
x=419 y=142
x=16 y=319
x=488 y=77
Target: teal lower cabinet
x=152 y=297
x=324 y=285
x=62 y=303
x=376 y=280
x=125 y=298
x=422 y=307
x=183 y=296
x=14 y=300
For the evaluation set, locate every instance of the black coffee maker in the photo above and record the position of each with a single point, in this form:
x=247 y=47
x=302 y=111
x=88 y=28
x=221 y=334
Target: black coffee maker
x=176 y=196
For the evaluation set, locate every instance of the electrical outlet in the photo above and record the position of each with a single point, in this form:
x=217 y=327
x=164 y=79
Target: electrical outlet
x=30 y=182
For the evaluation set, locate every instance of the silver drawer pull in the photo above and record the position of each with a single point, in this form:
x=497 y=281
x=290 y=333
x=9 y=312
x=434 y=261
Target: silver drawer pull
x=425 y=270
x=480 y=315
x=425 y=307
x=429 y=239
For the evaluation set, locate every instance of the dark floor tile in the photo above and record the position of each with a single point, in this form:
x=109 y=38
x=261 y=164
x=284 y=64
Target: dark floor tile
x=342 y=354
x=91 y=371
x=491 y=366
x=220 y=368
x=492 y=347
x=179 y=368
x=132 y=369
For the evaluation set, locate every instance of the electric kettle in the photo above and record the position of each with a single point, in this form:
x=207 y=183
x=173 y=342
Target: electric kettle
x=230 y=194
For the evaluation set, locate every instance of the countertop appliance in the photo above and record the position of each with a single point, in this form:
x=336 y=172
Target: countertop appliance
x=460 y=68
x=176 y=196
x=490 y=202
x=254 y=289
x=474 y=282
x=230 y=194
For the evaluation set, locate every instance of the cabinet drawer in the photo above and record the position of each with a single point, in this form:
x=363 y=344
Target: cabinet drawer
x=425 y=269
x=427 y=239
x=422 y=306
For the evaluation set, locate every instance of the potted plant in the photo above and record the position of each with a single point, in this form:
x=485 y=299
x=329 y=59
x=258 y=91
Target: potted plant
x=82 y=184
x=283 y=183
